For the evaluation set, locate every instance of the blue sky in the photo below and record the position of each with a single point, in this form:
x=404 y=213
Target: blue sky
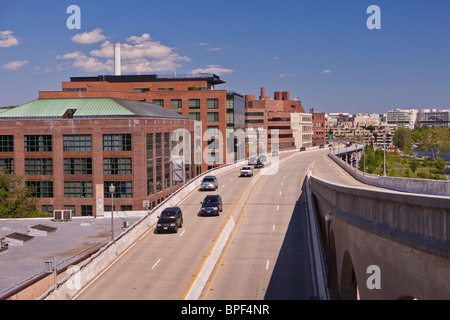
x=320 y=51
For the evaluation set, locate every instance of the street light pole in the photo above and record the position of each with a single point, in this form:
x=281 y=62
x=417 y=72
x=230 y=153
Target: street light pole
x=384 y=157
x=111 y=190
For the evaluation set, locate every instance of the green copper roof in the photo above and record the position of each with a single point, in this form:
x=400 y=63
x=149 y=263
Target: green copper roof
x=88 y=107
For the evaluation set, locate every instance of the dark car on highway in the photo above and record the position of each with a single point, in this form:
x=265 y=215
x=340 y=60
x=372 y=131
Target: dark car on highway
x=211 y=205
x=302 y=149
x=170 y=220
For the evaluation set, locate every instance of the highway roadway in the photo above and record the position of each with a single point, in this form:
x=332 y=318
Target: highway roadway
x=267 y=256
x=163 y=266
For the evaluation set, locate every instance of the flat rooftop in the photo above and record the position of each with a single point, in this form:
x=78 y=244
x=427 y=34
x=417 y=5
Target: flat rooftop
x=20 y=262
x=209 y=77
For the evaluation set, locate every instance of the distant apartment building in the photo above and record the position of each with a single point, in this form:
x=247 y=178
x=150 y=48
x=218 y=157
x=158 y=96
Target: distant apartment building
x=264 y=117
x=433 y=118
x=72 y=150
x=193 y=96
x=401 y=118
x=302 y=125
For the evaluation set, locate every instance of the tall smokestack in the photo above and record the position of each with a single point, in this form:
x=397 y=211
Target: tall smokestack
x=117 y=71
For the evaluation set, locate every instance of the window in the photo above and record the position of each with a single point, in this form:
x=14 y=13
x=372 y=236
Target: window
x=159 y=102
x=117 y=166
x=77 y=189
x=47 y=208
x=254 y=121
x=150 y=148
x=117 y=142
x=255 y=114
x=212 y=104
x=38 y=143
x=194 y=116
x=38 y=166
x=126 y=207
x=86 y=210
x=6 y=143
x=212 y=131
x=194 y=103
x=175 y=104
x=7 y=165
x=123 y=189
x=77 y=166
x=77 y=142
x=41 y=189
x=213 y=117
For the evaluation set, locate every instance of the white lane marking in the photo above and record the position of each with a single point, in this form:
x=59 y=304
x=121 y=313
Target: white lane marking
x=280 y=193
x=278 y=207
x=282 y=183
x=273 y=228
x=156 y=263
x=182 y=232
x=267 y=264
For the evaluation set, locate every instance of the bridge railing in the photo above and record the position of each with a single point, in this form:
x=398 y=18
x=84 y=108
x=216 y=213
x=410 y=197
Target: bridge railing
x=423 y=186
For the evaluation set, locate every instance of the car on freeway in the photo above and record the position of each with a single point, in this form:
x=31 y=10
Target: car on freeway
x=259 y=164
x=252 y=160
x=209 y=183
x=321 y=146
x=262 y=158
x=171 y=219
x=246 y=171
x=302 y=149
x=211 y=205
x=275 y=153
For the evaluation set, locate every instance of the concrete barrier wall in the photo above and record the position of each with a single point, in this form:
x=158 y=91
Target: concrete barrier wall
x=418 y=221
x=423 y=186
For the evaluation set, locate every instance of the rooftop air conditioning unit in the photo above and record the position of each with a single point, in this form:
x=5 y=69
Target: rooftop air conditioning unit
x=62 y=215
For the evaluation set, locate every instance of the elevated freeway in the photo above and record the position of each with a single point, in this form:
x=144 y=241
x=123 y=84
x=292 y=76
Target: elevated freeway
x=268 y=251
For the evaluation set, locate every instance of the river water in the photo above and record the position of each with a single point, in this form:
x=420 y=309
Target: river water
x=445 y=156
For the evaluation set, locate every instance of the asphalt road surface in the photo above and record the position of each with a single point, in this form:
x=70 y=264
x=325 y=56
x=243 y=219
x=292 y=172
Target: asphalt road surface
x=267 y=258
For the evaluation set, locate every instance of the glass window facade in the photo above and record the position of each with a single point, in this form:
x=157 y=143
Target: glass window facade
x=113 y=166
x=73 y=166
x=117 y=142
x=38 y=166
x=77 y=189
x=38 y=143
x=41 y=189
x=6 y=143
x=123 y=189
x=77 y=142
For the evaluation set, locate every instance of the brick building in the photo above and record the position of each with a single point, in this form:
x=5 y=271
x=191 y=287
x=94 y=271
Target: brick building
x=264 y=114
x=72 y=150
x=193 y=96
x=319 y=125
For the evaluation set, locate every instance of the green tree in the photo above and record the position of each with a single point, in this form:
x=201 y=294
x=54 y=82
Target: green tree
x=16 y=200
x=439 y=164
x=402 y=138
x=413 y=165
x=435 y=141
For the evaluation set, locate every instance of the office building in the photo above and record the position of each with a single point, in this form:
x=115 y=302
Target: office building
x=72 y=150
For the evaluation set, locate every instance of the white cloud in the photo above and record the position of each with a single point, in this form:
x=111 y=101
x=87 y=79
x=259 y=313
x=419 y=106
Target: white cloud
x=141 y=54
x=286 y=75
x=136 y=40
x=14 y=65
x=218 y=70
x=7 y=39
x=326 y=71
x=93 y=36
x=88 y=64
